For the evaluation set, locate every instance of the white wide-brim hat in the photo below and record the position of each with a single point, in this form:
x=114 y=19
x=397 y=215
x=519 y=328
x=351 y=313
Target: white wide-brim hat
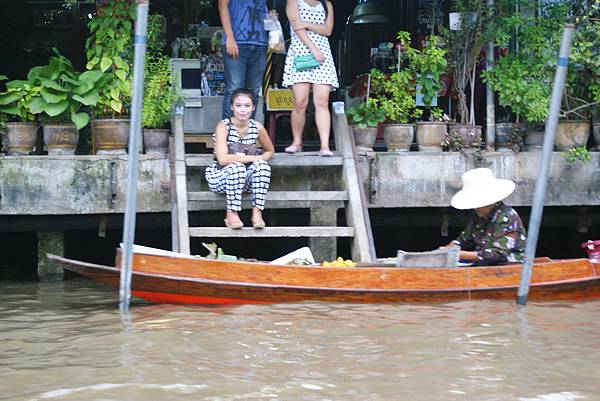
x=481 y=188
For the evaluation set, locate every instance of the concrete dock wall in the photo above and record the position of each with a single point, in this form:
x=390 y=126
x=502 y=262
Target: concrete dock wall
x=73 y=185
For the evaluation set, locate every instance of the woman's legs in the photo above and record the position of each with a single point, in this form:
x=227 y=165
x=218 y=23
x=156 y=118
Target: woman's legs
x=230 y=180
x=322 y=117
x=258 y=178
x=300 y=94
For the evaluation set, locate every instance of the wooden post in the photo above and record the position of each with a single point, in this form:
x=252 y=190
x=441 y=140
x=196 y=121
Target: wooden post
x=179 y=205
x=357 y=212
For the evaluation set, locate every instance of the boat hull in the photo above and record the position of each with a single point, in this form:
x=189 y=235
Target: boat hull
x=165 y=280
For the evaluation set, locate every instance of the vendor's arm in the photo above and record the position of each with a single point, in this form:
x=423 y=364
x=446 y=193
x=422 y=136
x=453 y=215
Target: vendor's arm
x=230 y=43
x=465 y=239
x=291 y=9
x=322 y=29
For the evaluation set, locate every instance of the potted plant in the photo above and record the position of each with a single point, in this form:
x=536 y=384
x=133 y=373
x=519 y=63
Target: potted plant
x=159 y=91
x=581 y=98
x=108 y=50
x=157 y=109
x=63 y=95
x=429 y=64
x=395 y=95
x=465 y=43
x=522 y=75
x=21 y=130
x=365 y=118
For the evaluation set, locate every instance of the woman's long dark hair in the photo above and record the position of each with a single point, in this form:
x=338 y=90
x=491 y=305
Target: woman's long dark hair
x=324 y=3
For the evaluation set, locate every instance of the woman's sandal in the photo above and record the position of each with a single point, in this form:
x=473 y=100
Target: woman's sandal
x=259 y=225
x=325 y=153
x=293 y=149
x=234 y=226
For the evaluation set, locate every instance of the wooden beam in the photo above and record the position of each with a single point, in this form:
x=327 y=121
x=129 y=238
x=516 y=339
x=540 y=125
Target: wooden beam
x=357 y=213
x=280 y=231
x=277 y=196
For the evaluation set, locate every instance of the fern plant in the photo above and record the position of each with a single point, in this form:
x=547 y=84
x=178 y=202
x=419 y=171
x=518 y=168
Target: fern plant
x=159 y=94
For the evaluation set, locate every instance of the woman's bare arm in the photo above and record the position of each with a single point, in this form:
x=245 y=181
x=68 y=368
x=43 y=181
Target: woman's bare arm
x=291 y=10
x=322 y=29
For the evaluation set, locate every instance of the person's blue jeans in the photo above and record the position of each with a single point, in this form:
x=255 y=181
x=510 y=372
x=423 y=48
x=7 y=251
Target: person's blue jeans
x=244 y=72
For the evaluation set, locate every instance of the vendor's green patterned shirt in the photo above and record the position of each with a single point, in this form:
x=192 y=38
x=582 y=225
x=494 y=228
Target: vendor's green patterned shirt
x=498 y=238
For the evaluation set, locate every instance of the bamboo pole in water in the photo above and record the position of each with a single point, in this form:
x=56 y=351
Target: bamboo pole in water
x=542 y=180
x=135 y=135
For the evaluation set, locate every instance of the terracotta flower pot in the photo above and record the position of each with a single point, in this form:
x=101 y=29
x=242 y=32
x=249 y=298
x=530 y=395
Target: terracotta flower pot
x=571 y=133
x=364 y=138
x=596 y=131
x=61 y=139
x=470 y=135
x=430 y=135
x=398 y=137
x=534 y=141
x=506 y=136
x=110 y=136
x=156 y=141
x=20 y=138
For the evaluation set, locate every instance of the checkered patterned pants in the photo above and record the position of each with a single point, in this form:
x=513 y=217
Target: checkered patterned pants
x=236 y=178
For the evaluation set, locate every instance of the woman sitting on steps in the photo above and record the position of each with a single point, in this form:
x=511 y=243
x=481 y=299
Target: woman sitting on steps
x=235 y=171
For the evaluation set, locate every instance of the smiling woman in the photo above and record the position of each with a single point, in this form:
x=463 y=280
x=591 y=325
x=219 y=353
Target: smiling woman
x=238 y=166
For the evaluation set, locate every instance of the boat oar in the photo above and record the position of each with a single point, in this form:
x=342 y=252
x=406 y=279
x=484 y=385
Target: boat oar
x=540 y=185
x=135 y=135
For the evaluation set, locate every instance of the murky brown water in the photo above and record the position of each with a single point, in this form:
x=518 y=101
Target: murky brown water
x=68 y=341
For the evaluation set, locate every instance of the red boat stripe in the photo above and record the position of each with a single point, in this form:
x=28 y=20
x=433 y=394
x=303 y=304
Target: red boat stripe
x=167 y=298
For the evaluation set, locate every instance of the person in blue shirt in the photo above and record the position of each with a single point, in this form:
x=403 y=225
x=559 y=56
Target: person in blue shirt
x=244 y=47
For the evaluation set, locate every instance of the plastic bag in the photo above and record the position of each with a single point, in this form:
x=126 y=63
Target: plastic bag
x=276 y=41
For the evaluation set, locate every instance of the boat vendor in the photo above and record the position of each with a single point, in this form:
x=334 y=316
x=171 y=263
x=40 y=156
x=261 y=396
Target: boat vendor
x=239 y=166
x=495 y=235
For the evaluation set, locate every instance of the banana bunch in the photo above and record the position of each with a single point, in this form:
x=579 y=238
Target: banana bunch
x=339 y=262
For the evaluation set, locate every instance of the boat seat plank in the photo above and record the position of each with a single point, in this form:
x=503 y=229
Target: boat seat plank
x=279 y=196
x=279 y=231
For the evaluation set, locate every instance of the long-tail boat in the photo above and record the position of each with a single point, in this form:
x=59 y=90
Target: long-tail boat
x=168 y=277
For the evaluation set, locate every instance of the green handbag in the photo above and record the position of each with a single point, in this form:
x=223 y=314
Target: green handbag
x=308 y=62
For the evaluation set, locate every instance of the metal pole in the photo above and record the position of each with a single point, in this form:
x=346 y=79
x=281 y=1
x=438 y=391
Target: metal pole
x=489 y=94
x=135 y=135
x=540 y=186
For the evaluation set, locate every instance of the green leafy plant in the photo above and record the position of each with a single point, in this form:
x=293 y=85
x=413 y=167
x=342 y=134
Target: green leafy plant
x=394 y=94
x=523 y=76
x=367 y=114
x=159 y=94
x=582 y=89
x=64 y=91
x=16 y=100
x=157 y=34
x=453 y=142
x=577 y=154
x=429 y=64
x=464 y=46
x=108 y=49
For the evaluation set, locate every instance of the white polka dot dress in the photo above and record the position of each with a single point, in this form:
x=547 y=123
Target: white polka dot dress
x=326 y=73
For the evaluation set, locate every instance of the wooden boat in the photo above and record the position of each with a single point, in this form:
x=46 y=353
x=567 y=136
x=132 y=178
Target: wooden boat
x=167 y=277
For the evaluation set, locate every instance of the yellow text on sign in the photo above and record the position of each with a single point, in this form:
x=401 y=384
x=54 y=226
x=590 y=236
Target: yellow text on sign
x=279 y=99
